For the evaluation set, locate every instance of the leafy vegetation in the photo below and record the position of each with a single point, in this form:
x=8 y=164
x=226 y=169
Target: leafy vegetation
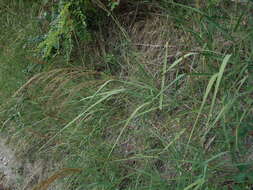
x=130 y=94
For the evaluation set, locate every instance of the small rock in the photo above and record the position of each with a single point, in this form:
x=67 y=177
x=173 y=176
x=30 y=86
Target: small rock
x=1 y=187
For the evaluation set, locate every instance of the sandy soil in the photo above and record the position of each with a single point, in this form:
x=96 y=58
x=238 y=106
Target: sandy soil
x=17 y=174
x=9 y=166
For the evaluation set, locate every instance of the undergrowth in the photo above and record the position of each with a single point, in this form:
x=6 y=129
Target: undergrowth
x=157 y=99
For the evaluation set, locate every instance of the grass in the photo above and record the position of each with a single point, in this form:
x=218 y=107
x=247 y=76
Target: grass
x=167 y=107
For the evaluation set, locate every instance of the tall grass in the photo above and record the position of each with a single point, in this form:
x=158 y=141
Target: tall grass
x=175 y=115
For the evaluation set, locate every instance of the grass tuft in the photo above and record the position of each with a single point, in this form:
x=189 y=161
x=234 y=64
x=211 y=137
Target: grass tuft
x=160 y=98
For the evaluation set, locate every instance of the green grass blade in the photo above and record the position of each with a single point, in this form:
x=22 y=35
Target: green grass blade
x=196 y=185
x=126 y=124
x=217 y=85
x=208 y=89
x=163 y=76
x=113 y=92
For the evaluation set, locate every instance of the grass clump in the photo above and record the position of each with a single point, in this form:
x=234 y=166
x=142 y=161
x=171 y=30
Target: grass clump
x=157 y=100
